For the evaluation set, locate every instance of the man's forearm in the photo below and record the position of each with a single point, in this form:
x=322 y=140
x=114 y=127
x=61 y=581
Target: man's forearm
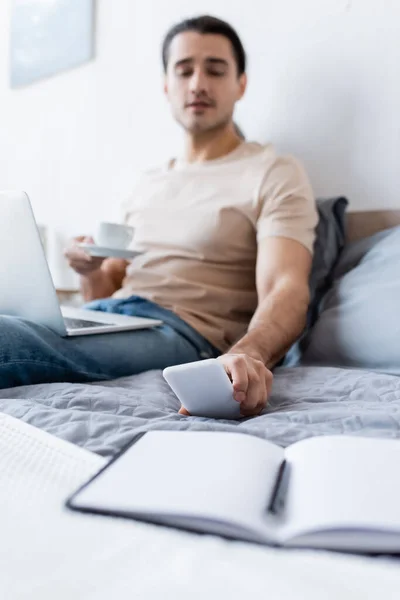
x=277 y=323
x=97 y=285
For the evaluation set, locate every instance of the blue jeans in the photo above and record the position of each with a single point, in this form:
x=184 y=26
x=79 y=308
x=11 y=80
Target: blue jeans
x=31 y=353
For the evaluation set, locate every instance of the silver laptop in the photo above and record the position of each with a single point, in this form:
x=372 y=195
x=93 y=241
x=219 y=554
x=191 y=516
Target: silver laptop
x=27 y=288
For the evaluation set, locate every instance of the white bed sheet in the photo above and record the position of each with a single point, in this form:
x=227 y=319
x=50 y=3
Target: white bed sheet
x=48 y=553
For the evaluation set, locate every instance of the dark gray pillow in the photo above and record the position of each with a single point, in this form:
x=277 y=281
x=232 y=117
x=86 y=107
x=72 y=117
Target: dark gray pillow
x=329 y=242
x=359 y=322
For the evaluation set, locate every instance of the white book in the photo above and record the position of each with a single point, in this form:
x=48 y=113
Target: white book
x=333 y=492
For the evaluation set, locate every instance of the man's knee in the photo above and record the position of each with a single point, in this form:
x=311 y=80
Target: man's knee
x=17 y=337
x=9 y=325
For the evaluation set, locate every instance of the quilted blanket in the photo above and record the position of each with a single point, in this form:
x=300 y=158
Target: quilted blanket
x=306 y=401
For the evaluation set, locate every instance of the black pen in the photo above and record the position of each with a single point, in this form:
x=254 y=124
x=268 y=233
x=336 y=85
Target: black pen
x=275 y=492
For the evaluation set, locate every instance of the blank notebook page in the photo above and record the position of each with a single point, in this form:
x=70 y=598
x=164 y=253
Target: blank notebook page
x=344 y=482
x=224 y=476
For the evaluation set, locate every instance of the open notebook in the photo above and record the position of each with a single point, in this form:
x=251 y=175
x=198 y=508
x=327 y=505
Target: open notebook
x=333 y=492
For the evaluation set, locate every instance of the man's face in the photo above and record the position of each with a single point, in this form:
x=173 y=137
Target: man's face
x=202 y=82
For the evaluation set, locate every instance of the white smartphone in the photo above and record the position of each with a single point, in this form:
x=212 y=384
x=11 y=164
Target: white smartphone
x=204 y=389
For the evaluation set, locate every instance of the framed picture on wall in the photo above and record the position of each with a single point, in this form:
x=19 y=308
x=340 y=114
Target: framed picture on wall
x=49 y=36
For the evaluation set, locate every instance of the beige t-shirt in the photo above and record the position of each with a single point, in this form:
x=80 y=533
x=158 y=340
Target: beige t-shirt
x=198 y=225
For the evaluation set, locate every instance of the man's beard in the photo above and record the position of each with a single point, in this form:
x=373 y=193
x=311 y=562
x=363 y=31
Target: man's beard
x=203 y=128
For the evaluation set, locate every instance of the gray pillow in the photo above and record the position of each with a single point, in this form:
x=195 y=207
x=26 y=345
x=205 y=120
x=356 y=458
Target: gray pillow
x=359 y=322
x=329 y=242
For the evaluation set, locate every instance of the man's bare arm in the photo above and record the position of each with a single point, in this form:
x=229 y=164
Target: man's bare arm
x=103 y=282
x=99 y=277
x=283 y=267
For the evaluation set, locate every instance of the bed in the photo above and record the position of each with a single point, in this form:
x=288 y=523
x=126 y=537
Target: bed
x=306 y=401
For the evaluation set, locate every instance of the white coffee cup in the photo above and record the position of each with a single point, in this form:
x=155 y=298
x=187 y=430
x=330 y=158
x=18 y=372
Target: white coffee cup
x=113 y=235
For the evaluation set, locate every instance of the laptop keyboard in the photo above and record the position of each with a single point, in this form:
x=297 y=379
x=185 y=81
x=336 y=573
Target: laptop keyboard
x=81 y=323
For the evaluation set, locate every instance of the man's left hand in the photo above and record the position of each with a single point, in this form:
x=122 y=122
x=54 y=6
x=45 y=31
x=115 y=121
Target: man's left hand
x=252 y=382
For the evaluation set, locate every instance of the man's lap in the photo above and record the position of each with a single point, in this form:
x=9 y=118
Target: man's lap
x=140 y=307
x=30 y=353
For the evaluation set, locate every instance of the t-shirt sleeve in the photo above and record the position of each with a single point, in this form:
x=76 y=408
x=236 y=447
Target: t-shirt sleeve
x=287 y=203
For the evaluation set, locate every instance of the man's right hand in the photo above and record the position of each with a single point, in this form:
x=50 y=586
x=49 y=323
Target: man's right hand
x=79 y=260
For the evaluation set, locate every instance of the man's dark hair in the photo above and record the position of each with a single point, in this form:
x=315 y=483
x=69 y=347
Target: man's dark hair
x=207 y=25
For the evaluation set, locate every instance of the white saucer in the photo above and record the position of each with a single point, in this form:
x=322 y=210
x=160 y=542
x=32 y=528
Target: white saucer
x=104 y=252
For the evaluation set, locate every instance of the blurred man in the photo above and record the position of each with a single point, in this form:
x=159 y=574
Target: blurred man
x=226 y=230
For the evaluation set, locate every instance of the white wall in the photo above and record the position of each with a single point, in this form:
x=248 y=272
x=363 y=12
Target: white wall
x=324 y=84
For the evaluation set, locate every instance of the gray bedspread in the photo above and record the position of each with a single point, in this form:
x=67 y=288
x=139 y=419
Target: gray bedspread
x=306 y=401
